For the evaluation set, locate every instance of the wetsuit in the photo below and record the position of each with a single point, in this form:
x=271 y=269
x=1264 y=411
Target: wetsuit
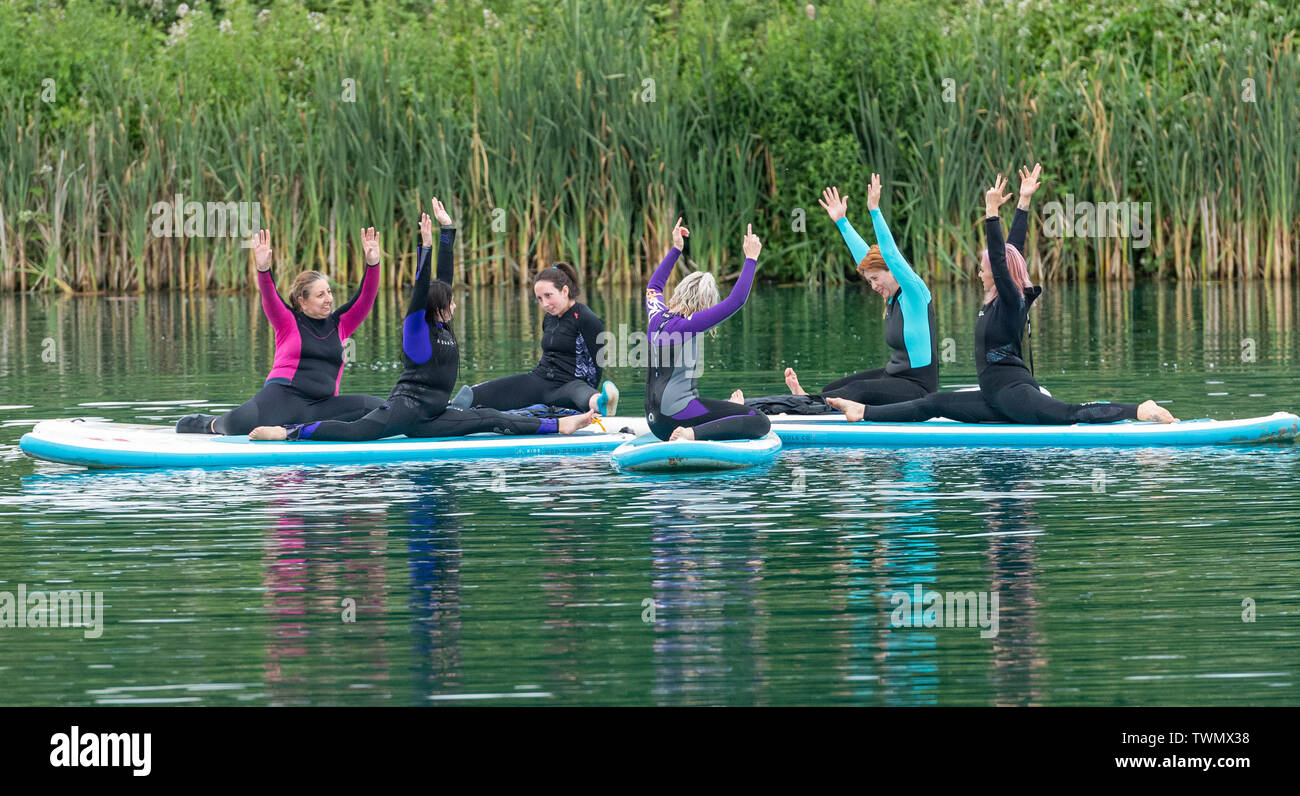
x=913 y=367
x=671 y=395
x=417 y=405
x=1008 y=392
x=568 y=374
x=304 y=380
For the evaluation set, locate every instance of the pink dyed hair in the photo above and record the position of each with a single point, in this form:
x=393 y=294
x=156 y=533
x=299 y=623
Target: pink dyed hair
x=1015 y=264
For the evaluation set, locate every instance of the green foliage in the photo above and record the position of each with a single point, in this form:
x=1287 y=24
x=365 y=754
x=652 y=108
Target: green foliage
x=536 y=114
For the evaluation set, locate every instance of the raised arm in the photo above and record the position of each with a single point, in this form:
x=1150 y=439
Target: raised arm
x=654 y=291
x=351 y=315
x=837 y=207
x=277 y=311
x=708 y=318
x=1007 y=289
x=415 y=330
x=1020 y=224
x=912 y=284
x=446 y=239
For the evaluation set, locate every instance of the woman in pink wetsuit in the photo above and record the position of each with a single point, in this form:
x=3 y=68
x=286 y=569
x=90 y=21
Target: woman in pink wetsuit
x=310 y=332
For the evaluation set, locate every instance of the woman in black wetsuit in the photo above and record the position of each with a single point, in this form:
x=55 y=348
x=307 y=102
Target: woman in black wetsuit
x=569 y=373
x=417 y=405
x=1008 y=392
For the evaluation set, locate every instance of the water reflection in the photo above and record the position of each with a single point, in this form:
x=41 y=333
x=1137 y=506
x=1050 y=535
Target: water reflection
x=326 y=596
x=1019 y=663
x=709 y=615
x=907 y=551
x=434 y=560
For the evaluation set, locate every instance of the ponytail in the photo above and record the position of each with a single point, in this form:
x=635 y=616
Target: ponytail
x=561 y=275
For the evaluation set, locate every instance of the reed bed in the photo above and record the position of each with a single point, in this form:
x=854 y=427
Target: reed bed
x=581 y=133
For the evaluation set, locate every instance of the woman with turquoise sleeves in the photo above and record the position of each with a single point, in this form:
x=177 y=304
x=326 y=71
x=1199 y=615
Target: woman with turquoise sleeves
x=913 y=367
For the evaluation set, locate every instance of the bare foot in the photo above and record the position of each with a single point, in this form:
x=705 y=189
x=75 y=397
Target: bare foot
x=853 y=411
x=682 y=432
x=1155 y=413
x=268 y=432
x=792 y=381
x=570 y=424
x=737 y=397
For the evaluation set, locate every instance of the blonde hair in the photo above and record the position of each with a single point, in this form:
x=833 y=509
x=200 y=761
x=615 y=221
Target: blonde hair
x=301 y=288
x=697 y=291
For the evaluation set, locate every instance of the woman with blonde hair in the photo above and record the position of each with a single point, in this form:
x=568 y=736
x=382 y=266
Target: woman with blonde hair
x=310 y=334
x=673 y=406
x=1008 y=392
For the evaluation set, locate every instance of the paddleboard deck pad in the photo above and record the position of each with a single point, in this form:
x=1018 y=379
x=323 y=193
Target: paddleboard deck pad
x=128 y=445
x=834 y=430
x=648 y=453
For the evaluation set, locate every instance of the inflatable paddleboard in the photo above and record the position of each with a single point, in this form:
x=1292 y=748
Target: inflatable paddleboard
x=648 y=453
x=114 y=445
x=834 y=430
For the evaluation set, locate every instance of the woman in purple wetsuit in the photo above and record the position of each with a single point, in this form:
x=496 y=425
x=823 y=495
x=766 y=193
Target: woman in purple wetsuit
x=673 y=406
x=310 y=334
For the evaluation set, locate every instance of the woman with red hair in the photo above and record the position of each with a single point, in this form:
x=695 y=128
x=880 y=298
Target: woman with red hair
x=1008 y=392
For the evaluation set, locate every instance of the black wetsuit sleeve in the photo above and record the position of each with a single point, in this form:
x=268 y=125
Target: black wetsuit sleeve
x=1008 y=291
x=1019 y=228
x=420 y=290
x=590 y=326
x=446 y=254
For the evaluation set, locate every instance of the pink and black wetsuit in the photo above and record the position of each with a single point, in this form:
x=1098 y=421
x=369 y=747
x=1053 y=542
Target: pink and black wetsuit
x=303 y=384
x=671 y=396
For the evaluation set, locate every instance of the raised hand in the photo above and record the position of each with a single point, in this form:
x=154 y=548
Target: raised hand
x=836 y=206
x=752 y=244
x=680 y=234
x=370 y=245
x=426 y=230
x=873 y=193
x=994 y=197
x=440 y=213
x=262 y=250
x=1029 y=183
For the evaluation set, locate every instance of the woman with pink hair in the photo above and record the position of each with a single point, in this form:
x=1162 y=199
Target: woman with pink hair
x=1008 y=392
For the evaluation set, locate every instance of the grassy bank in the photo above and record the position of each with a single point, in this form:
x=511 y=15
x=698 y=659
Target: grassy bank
x=579 y=131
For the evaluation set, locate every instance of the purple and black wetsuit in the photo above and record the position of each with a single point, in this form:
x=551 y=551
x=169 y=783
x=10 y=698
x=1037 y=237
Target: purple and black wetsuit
x=417 y=406
x=1008 y=392
x=304 y=380
x=671 y=395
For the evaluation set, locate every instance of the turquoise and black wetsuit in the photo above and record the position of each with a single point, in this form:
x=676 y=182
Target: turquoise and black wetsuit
x=913 y=367
x=1008 y=392
x=417 y=405
x=671 y=396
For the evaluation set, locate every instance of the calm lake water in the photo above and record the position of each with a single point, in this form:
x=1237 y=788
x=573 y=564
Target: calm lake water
x=1124 y=576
